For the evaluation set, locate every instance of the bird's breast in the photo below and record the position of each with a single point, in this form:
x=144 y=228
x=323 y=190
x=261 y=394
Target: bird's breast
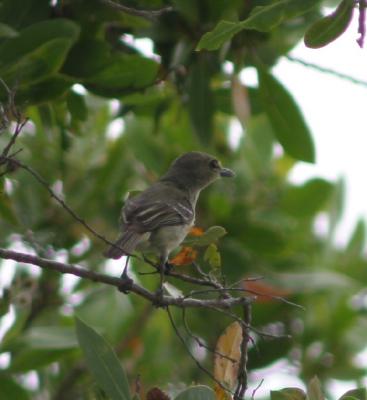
x=167 y=238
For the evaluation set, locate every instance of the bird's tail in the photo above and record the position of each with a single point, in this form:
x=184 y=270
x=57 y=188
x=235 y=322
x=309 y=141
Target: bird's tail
x=124 y=245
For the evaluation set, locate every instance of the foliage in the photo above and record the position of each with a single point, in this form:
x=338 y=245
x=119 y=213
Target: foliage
x=105 y=119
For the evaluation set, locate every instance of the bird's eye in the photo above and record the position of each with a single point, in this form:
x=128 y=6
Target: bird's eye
x=214 y=164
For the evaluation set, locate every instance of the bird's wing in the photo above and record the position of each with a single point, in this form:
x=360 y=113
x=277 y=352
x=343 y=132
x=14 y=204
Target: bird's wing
x=147 y=215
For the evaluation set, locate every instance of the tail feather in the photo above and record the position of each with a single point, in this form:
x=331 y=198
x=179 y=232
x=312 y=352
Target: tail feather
x=125 y=244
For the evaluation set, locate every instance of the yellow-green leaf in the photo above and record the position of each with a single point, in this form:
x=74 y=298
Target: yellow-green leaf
x=330 y=27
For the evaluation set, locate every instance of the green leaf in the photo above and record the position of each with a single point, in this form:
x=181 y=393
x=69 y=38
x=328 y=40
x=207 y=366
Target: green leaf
x=212 y=256
x=314 y=391
x=288 y=394
x=199 y=392
x=210 y=236
x=358 y=240
x=37 y=52
x=44 y=61
x=306 y=200
x=49 y=89
x=316 y=281
x=330 y=27
x=6 y=209
x=50 y=337
x=103 y=362
x=286 y=118
x=11 y=389
x=76 y=105
x=262 y=18
x=223 y=32
x=31 y=359
x=7 y=31
x=358 y=394
x=108 y=73
x=201 y=101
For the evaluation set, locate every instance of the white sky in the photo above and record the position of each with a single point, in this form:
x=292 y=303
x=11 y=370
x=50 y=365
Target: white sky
x=336 y=112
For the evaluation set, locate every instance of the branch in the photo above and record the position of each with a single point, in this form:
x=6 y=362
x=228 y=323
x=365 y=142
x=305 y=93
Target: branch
x=150 y=15
x=181 y=302
x=178 y=334
x=327 y=71
x=242 y=379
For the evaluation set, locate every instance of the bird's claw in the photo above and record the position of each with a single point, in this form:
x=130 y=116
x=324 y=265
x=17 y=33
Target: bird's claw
x=159 y=300
x=167 y=268
x=126 y=284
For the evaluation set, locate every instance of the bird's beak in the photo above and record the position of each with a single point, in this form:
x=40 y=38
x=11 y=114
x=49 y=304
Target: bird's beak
x=226 y=173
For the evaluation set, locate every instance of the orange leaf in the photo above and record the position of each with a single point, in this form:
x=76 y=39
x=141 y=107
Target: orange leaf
x=266 y=292
x=221 y=394
x=186 y=256
x=196 y=231
x=225 y=370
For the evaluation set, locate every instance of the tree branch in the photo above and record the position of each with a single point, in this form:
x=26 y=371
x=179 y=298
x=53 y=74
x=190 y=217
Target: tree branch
x=181 y=302
x=150 y=15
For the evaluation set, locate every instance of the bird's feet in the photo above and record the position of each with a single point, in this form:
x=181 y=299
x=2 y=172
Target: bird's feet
x=159 y=299
x=168 y=267
x=126 y=284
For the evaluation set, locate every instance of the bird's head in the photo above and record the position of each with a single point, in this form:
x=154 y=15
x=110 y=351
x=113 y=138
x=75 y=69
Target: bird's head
x=196 y=170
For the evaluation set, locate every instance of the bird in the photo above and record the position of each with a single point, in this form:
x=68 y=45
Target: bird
x=158 y=219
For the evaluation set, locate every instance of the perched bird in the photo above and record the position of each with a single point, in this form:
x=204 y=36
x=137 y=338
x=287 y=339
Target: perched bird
x=158 y=219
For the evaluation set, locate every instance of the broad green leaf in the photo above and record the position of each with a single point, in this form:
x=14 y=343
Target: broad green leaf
x=27 y=12
x=262 y=18
x=131 y=71
x=108 y=73
x=286 y=118
x=330 y=27
x=45 y=60
x=7 y=209
x=306 y=200
x=76 y=105
x=212 y=256
x=259 y=144
x=314 y=391
x=223 y=32
x=4 y=302
x=357 y=394
x=49 y=89
x=10 y=389
x=211 y=235
x=304 y=282
x=38 y=51
x=288 y=394
x=103 y=362
x=7 y=31
x=50 y=337
x=349 y=398
x=201 y=101
x=358 y=240
x=263 y=238
x=199 y=392
x=102 y=299
x=31 y=359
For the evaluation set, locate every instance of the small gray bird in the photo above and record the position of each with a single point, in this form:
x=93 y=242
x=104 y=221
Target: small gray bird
x=158 y=219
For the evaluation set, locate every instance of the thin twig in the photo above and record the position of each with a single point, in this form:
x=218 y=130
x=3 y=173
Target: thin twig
x=256 y=389
x=243 y=290
x=327 y=71
x=17 y=131
x=199 y=342
x=362 y=22
x=192 y=356
x=150 y=15
x=242 y=379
